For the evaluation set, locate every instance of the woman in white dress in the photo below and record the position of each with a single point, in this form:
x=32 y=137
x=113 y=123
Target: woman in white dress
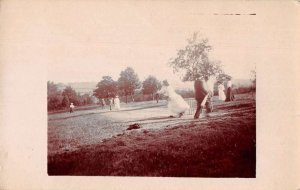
x=221 y=92
x=176 y=104
x=117 y=103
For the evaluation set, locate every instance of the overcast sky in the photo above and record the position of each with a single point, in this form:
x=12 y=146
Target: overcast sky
x=92 y=39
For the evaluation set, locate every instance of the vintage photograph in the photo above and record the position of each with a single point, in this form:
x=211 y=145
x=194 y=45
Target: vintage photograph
x=153 y=88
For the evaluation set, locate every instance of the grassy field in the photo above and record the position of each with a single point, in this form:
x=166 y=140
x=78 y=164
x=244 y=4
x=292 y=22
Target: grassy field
x=96 y=142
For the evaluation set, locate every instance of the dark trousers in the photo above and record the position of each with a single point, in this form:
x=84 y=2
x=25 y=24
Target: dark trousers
x=229 y=95
x=208 y=107
x=198 y=110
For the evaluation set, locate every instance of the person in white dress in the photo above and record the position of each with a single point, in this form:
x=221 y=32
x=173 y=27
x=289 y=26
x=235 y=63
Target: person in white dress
x=221 y=92
x=176 y=104
x=72 y=108
x=117 y=103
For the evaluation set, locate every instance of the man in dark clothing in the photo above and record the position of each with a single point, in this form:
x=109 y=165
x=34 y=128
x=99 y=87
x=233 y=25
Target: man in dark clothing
x=200 y=93
x=157 y=97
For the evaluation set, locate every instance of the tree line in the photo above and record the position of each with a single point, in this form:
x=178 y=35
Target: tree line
x=58 y=100
x=127 y=85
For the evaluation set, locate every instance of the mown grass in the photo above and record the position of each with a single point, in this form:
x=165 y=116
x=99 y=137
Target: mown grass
x=219 y=146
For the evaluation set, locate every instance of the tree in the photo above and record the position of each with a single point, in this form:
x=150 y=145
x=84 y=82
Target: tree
x=65 y=102
x=193 y=60
x=128 y=82
x=71 y=94
x=53 y=97
x=86 y=99
x=151 y=85
x=106 y=88
x=52 y=89
x=223 y=77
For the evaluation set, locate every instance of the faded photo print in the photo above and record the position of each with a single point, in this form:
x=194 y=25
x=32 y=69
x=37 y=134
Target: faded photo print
x=153 y=88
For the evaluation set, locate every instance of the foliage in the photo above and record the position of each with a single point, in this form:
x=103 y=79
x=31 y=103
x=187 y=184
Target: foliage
x=223 y=77
x=106 y=88
x=58 y=100
x=128 y=82
x=53 y=97
x=71 y=94
x=193 y=60
x=51 y=89
x=86 y=99
x=151 y=85
x=65 y=102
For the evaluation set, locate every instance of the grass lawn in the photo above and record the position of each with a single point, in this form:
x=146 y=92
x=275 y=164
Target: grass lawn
x=96 y=142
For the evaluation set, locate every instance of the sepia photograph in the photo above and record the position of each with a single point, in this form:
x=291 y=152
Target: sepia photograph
x=151 y=92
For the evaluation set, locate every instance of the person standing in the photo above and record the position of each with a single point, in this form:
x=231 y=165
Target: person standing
x=221 y=92
x=201 y=94
x=229 y=94
x=117 y=103
x=110 y=103
x=102 y=103
x=72 y=108
x=157 y=97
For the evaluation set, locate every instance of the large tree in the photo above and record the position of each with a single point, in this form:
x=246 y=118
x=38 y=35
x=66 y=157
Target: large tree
x=128 y=82
x=193 y=60
x=71 y=94
x=151 y=85
x=106 y=88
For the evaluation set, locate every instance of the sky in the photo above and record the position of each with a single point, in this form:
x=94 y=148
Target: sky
x=92 y=39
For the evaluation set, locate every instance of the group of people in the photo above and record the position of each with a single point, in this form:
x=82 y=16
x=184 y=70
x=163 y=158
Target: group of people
x=229 y=95
x=203 y=96
x=176 y=104
x=114 y=103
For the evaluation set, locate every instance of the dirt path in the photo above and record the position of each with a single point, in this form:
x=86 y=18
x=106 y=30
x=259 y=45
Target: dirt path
x=222 y=145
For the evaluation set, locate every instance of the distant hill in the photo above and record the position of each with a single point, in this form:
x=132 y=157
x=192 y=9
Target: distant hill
x=80 y=87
